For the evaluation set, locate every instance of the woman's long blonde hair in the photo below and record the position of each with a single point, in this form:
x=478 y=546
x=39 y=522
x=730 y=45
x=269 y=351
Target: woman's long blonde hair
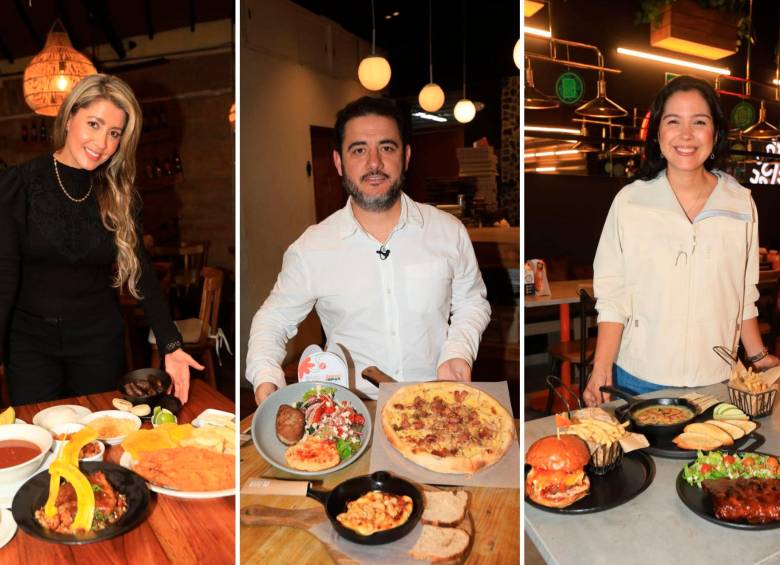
x=114 y=180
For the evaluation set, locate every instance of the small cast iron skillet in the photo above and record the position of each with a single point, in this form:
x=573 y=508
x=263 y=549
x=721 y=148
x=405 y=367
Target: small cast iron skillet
x=635 y=404
x=141 y=375
x=335 y=502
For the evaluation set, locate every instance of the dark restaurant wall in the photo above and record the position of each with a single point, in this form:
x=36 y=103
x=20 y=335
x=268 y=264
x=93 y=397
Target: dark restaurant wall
x=197 y=93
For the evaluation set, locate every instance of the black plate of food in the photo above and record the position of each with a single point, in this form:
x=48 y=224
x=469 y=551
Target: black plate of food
x=664 y=446
x=617 y=487
x=144 y=386
x=703 y=505
x=33 y=494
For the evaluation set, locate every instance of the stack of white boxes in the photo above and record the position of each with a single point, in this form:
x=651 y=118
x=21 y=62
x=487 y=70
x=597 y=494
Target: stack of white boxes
x=480 y=163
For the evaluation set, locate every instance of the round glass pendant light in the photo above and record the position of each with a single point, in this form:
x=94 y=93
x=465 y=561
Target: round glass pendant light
x=53 y=72
x=431 y=97
x=465 y=111
x=518 y=56
x=374 y=71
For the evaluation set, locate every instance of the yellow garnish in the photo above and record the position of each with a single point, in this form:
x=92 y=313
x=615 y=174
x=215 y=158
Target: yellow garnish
x=67 y=465
x=85 y=497
x=70 y=453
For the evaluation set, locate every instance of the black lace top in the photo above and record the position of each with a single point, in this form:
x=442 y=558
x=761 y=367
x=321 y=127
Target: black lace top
x=56 y=257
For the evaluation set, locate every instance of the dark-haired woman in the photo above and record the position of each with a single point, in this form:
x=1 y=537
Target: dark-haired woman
x=676 y=268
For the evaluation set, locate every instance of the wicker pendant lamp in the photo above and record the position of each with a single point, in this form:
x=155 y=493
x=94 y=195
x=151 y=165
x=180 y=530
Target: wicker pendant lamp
x=53 y=72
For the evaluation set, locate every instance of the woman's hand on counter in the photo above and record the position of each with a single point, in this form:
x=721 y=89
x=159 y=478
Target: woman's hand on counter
x=601 y=376
x=454 y=370
x=177 y=365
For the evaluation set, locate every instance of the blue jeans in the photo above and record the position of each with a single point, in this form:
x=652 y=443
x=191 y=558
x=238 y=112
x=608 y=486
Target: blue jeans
x=628 y=382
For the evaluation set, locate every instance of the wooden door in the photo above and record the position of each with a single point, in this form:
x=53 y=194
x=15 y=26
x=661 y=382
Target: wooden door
x=329 y=196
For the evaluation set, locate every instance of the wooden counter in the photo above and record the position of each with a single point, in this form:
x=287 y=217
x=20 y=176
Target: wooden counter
x=175 y=530
x=495 y=513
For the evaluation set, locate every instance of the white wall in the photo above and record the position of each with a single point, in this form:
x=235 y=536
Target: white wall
x=297 y=70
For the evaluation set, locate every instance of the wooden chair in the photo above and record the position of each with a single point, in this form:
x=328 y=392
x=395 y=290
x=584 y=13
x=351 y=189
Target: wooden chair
x=188 y=259
x=768 y=287
x=199 y=334
x=578 y=352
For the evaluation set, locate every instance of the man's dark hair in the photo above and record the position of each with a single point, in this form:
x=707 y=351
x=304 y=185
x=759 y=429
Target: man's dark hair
x=653 y=160
x=370 y=106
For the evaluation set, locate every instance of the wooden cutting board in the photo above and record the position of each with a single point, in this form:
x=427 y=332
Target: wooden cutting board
x=315 y=521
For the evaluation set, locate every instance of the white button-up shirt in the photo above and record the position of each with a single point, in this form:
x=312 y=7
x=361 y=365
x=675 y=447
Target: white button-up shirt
x=406 y=314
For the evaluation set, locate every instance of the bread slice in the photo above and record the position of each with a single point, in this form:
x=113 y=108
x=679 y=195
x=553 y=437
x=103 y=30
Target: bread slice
x=440 y=544
x=713 y=431
x=734 y=431
x=748 y=425
x=695 y=440
x=444 y=507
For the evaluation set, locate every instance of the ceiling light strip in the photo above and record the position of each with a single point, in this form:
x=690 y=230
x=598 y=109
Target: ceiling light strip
x=427 y=116
x=673 y=61
x=552 y=129
x=553 y=153
x=538 y=32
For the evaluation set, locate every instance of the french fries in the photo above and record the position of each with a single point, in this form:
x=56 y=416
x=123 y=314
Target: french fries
x=748 y=380
x=597 y=431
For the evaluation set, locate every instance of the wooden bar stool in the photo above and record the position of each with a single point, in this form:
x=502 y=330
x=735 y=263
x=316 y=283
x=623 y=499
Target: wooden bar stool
x=578 y=352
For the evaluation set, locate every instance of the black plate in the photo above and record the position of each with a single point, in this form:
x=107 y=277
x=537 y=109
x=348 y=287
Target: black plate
x=140 y=375
x=35 y=491
x=699 y=502
x=665 y=447
x=617 y=487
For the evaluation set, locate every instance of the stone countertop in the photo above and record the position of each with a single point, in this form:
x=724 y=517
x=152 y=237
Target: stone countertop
x=654 y=525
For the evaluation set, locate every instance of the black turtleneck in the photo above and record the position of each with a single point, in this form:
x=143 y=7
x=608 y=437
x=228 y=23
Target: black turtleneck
x=56 y=257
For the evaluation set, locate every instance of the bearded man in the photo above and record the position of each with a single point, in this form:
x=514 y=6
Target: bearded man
x=394 y=282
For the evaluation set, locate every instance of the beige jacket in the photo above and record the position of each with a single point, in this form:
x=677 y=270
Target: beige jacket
x=679 y=288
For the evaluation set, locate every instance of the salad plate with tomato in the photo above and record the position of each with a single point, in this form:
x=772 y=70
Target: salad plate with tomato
x=740 y=475
x=309 y=416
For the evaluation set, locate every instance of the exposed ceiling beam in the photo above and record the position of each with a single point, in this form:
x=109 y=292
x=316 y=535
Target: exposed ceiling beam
x=63 y=15
x=149 y=18
x=6 y=53
x=193 y=15
x=98 y=9
x=25 y=17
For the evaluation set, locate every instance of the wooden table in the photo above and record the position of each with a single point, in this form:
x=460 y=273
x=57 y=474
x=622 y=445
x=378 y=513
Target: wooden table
x=562 y=294
x=496 y=515
x=175 y=530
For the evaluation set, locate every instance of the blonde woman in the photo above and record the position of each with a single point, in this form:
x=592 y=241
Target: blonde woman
x=69 y=237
